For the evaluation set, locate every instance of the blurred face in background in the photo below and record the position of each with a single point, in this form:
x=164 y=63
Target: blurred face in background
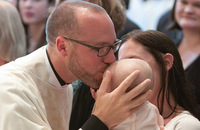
x=187 y=14
x=34 y=11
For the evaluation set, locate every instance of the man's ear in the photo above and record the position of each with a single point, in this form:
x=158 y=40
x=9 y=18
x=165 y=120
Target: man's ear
x=93 y=93
x=61 y=45
x=169 y=59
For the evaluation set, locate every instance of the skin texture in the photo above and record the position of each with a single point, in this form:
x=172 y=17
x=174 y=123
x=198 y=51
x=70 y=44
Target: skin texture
x=73 y=61
x=126 y=51
x=122 y=68
x=82 y=61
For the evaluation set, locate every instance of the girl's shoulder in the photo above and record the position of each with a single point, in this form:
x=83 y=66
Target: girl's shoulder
x=183 y=121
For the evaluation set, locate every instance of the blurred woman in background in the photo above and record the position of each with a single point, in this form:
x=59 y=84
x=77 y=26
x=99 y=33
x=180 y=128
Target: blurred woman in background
x=186 y=17
x=12 y=35
x=34 y=14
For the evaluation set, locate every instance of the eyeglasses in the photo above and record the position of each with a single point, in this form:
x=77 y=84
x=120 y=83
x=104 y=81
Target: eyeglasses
x=102 y=50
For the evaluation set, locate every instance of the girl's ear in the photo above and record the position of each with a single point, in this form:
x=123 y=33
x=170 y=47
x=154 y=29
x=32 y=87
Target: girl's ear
x=169 y=59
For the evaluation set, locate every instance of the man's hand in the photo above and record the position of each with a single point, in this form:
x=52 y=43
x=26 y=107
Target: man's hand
x=114 y=107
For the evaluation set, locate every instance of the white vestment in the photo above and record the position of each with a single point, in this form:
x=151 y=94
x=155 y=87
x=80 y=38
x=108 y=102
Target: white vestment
x=31 y=97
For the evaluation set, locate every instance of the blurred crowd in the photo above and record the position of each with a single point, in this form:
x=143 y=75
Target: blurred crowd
x=22 y=31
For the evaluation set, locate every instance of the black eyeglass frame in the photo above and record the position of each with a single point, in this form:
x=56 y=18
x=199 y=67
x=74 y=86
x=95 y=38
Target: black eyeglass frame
x=117 y=42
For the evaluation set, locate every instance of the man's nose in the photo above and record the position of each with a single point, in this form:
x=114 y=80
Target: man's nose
x=110 y=57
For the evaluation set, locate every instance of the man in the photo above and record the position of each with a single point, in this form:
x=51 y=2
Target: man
x=35 y=92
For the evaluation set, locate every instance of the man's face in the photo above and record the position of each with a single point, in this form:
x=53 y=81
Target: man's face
x=96 y=30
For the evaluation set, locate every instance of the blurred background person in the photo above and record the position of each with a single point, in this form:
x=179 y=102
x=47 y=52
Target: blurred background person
x=128 y=25
x=34 y=14
x=186 y=17
x=164 y=26
x=12 y=35
x=146 y=13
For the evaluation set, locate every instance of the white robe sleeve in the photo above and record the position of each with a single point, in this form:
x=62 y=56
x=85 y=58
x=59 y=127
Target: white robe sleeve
x=20 y=108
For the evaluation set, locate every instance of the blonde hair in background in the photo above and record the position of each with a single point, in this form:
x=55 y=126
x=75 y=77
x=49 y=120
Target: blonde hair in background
x=12 y=34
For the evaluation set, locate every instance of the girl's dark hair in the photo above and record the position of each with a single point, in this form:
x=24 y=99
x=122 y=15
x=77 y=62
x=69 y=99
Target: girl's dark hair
x=176 y=85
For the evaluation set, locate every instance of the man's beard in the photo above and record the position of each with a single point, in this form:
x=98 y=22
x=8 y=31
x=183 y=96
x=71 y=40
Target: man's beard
x=89 y=79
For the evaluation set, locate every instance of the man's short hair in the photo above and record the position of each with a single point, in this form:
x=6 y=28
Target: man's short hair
x=63 y=20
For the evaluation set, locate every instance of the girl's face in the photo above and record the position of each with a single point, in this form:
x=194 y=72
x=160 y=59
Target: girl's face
x=132 y=49
x=34 y=11
x=187 y=14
